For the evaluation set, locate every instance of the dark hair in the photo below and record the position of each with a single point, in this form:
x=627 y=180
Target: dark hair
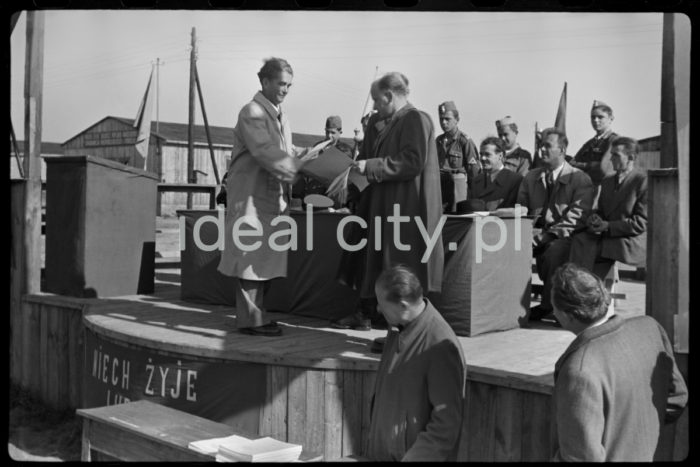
x=561 y=136
x=579 y=293
x=393 y=81
x=604 y=107
x=630 y=144
x=494 y=141
x=400 y=284
x=272 y=67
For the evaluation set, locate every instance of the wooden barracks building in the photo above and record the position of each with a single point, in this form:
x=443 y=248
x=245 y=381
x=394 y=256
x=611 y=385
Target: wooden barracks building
x=114 y=137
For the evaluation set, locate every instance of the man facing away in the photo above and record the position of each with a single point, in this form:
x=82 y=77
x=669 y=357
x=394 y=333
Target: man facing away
x=457 y=156
x=616 y=231
x=417 y=408
x=617 y=383
x=559 y=197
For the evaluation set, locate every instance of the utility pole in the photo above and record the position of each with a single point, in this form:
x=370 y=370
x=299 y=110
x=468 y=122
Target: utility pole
x=190 y=128
x=158 y=65
x=33 y=88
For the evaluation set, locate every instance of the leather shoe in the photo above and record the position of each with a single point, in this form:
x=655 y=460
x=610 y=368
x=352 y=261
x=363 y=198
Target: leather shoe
x=355 y=321
x=537 y=313
x=270 y=329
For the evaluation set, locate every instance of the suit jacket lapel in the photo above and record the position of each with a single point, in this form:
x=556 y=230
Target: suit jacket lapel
x=272 y=114
x=620 y=196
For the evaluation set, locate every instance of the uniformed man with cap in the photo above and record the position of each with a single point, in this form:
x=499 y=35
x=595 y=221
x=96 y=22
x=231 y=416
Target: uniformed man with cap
x=516 y=158
x=457 y=155
x=307 y=185
x=594 y=156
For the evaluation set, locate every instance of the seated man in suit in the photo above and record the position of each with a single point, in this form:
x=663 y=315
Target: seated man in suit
x=498 y=188
x=559 y=197
x=616 y=230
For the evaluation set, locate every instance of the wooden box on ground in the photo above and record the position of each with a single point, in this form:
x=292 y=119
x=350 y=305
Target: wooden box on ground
x=100 y=227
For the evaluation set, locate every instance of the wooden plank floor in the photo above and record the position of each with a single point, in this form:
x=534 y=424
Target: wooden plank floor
x=518 y=358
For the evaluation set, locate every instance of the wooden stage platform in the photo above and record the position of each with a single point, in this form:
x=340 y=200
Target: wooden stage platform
x=313 y=384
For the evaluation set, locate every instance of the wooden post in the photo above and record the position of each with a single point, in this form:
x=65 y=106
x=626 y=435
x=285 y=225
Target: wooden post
x=206 y=126
x=33 y=84
x=190 y=127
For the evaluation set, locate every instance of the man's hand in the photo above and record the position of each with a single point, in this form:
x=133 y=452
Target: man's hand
x=596 y=224
x=600 y=227
x=541 y=238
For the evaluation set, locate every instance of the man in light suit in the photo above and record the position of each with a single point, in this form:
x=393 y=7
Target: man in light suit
x=616 y=231
x=498 y=188
x=258 y=184
x=559 y=197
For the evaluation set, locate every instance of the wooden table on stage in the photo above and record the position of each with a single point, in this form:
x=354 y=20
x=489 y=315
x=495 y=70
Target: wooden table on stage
x=484 y=288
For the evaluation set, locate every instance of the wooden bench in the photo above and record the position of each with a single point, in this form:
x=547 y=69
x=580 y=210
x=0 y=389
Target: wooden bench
x=144 y=431
x=610 y=279
x=187 y=188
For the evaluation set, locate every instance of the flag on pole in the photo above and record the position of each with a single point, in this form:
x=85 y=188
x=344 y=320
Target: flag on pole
x=560 y=121
x=142 y=123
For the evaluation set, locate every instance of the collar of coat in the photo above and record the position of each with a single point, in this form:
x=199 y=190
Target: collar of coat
x=407 y=332
x=564 y=177
x=586 y=336
x=267 y=105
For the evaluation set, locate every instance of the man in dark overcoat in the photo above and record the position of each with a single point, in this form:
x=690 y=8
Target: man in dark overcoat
x=401 y=166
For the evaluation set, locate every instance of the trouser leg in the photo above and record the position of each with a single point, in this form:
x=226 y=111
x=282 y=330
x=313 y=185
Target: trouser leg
x=556 y=254
x=249 y=303
x=585 y=249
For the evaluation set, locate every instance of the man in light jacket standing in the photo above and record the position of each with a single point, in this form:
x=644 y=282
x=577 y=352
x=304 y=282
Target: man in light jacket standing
x=258 y=184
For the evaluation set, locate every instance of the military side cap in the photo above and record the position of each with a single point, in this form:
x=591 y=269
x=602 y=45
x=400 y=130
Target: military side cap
x=505 y=121
x=447 y=106
x=334 y=121
x=597 y=104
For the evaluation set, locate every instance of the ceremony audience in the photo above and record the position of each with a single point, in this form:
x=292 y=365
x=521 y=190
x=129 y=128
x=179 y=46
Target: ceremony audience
x=594 y=156
x=401 y=167
x=457 y=156
x=616 y=384
x=516 y=158
x=418 y=403
x=616 y=230
x=263 y=166
x=559 y=197
x=495 y=185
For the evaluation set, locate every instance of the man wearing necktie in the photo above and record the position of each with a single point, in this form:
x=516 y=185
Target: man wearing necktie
x=495 y=185
x=263 y=165
x=559 y=197
x=616 y=231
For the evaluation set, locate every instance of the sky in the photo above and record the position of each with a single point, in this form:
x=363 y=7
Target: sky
x=97 y=63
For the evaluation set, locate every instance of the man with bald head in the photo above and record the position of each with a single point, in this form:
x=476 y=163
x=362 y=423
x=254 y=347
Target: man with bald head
x=401 y=167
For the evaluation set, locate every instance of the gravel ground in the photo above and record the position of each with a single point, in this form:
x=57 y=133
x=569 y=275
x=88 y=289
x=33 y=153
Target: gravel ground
x=40 y=434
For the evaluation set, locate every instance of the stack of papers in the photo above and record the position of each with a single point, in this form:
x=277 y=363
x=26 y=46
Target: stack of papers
x=258 y=450
x=211 y=446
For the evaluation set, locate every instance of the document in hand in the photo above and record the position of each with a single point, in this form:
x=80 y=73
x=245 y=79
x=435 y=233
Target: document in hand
x=331 y=163
x=260 y=450
x=315 y=151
